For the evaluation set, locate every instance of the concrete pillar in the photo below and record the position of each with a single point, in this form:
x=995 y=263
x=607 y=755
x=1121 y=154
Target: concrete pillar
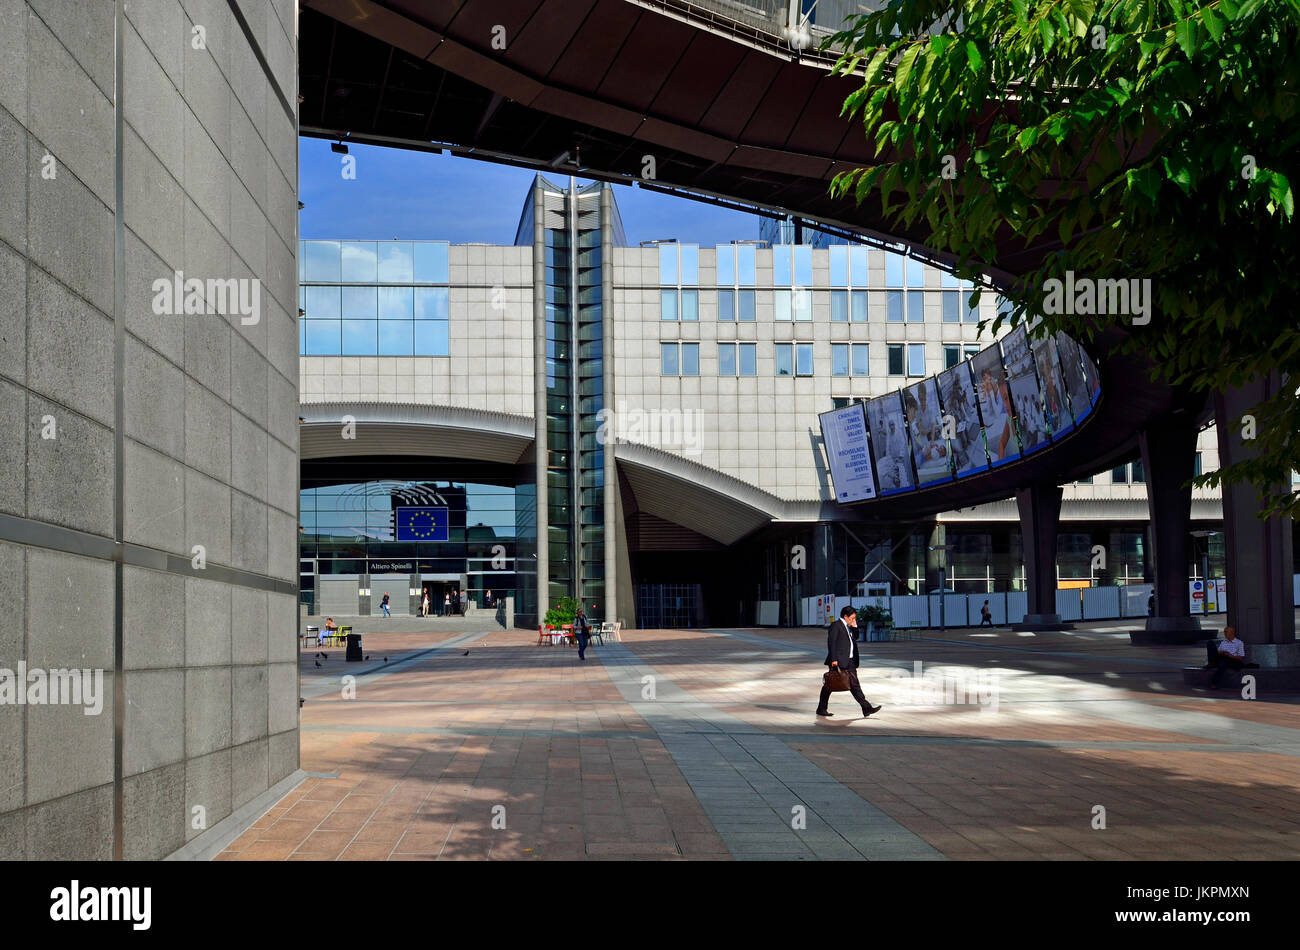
x=1040 y=512
x=1169 y=458
x=1259 y=557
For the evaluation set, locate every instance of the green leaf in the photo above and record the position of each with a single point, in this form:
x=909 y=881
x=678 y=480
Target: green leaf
x=974 y=59
x=1214 y=22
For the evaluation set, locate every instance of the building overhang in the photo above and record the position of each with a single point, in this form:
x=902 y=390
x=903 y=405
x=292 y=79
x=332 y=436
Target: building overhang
x=408 y=429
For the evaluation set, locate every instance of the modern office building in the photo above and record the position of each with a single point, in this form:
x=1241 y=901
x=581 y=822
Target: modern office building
x=638 y=426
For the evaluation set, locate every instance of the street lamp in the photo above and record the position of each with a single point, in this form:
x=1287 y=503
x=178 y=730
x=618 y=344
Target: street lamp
x=943 y=577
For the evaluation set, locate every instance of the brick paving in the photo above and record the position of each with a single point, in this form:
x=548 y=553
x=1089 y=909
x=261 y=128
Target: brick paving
x=702 y=745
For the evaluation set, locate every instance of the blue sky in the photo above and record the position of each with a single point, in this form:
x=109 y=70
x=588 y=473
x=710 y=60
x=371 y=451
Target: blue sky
x=399 y=193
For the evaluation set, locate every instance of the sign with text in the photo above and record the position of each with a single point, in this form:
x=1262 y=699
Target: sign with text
x=844 y=431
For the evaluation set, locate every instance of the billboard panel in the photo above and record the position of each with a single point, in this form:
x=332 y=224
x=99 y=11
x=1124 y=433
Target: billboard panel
x=1055 y=405
x=995 y=406
x=957 y=396
x=1076 y=385
x=1022 y=382
x=925 y=427
x=844 y=432
x=889 y=445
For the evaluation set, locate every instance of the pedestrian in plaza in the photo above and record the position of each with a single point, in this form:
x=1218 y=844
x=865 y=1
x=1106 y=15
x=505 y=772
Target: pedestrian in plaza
x=455 y=601
x=581 y=631
x=841 y=655
x=383 y=605
x=1151 y=604
x=424 y=604
x=986 y=615
x=488 y=600
x=446 y=605
x=1231 y=655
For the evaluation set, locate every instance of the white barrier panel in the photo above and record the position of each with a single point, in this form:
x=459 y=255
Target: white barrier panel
x=1017 y=606
x=909 y=611
x=954 y=610
x=1133 y=600
x=1295 y=590
x=1100 y=603
x=1069 y=605
x=768 y=612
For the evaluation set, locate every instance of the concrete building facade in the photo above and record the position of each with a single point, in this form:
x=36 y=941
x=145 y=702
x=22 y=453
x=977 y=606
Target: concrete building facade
x=148 y=396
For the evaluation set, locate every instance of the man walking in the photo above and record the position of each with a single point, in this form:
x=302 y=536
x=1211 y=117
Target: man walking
x=581 y=631
x=383 y=605
x=841 y=654
x=986 y=615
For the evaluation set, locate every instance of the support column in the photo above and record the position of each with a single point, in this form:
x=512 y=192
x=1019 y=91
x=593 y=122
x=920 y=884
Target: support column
x=1259 y=558
x=1169 y=458
x=1040 y=512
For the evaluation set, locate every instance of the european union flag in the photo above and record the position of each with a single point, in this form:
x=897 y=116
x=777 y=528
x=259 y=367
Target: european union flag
x=422 y=524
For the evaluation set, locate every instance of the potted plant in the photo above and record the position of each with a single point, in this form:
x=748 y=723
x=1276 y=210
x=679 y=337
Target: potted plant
x=879 y=622
x=562 y=612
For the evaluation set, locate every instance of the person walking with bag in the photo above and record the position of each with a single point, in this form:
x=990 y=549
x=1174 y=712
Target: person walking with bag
x=842 y=658
x=581 y=633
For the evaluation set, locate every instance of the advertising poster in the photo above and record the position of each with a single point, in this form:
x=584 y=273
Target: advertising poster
x=925 y=427
x=995 y=406
x=1091 y=378
x=966 y=437
x=1055 y=405
x=1076 y=385
x=889 y=445
x=1022 y=382
x=844 y=433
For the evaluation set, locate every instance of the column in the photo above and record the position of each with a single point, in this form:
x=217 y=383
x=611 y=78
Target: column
x=1040 y=511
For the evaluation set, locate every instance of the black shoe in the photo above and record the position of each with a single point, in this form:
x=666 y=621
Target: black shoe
x=869 y=709
x=827 y=714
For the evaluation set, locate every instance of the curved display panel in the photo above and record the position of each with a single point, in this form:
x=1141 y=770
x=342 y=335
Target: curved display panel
x=924 y=418
x=889 y=445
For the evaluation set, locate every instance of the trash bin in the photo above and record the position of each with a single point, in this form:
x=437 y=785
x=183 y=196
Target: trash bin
x=354 y=648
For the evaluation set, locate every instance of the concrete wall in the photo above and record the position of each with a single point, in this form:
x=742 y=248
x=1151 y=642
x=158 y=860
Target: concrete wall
x=168 y=431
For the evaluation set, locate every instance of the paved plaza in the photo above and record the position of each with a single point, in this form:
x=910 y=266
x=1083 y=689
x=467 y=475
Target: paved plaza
x=702 y=744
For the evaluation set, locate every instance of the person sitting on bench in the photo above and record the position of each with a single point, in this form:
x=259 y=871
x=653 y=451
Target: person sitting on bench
x=329 y=630
x=1231 y=655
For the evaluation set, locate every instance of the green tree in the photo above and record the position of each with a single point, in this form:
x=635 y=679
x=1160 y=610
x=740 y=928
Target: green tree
x=1128 y=139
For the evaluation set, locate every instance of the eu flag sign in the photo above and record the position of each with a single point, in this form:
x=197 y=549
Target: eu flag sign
x=422 y=524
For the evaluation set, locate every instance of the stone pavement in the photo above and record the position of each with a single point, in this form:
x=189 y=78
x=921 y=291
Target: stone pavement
x=702 y=744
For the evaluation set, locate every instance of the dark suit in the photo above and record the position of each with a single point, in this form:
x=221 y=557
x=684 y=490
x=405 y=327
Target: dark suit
x=840 y=649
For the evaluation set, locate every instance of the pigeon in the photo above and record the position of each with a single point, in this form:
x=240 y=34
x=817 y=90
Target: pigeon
x=317 y=662
x=385 y=659
x=466 y=653
x=326 y=655
x=300 y=702
x=367 y=656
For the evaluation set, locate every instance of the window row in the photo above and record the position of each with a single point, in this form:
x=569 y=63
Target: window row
x=386 y=303
x=385 y=262
x=375 y=338
x=796 y=304
x=792 y=266
x=796 y=359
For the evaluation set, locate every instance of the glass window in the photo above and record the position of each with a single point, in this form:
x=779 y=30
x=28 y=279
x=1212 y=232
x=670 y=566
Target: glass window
x=893 y=270
x=360 y=262
x=894 y=306
x=1084 y=481
x=360 y=303
x=915 y=273
x=322 y=303
x=360 y=337
x=1119 y=476
x=951 y=306
x=748 y=359
x=746 y=306
x=951 y=355
x=668 y=304
x=322 y=260
x=432 y=303
x=396 y=262
x=801 y=303
x=726 y=359
x=859 y=306
x=916 y=359
x=726 y=265
x=1197 y=468
x=858 y=266
x=668 y=359
x=861 y=351
x=396 y=303
x=726 y=305
x=970 y=350
x=690 y=359
x=802 y=265
x=839 y=265
x=690 y=305
x=745 y=265
x=916 y=306
x=781 y=266
x=947 y=279
x=668 y=264
x=839 y=305
x=396 y=338
x=690 y=264
x=839 y=359
x=781 y=302
x=431 y=265
x=321 y=337
x=895 y=359
x=972 y=313
x=431 y=338
x=1139 y=473
x=804 y=355
x=784 y=359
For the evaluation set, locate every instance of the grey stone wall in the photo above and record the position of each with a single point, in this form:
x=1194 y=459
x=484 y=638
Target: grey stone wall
x=141 y=138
